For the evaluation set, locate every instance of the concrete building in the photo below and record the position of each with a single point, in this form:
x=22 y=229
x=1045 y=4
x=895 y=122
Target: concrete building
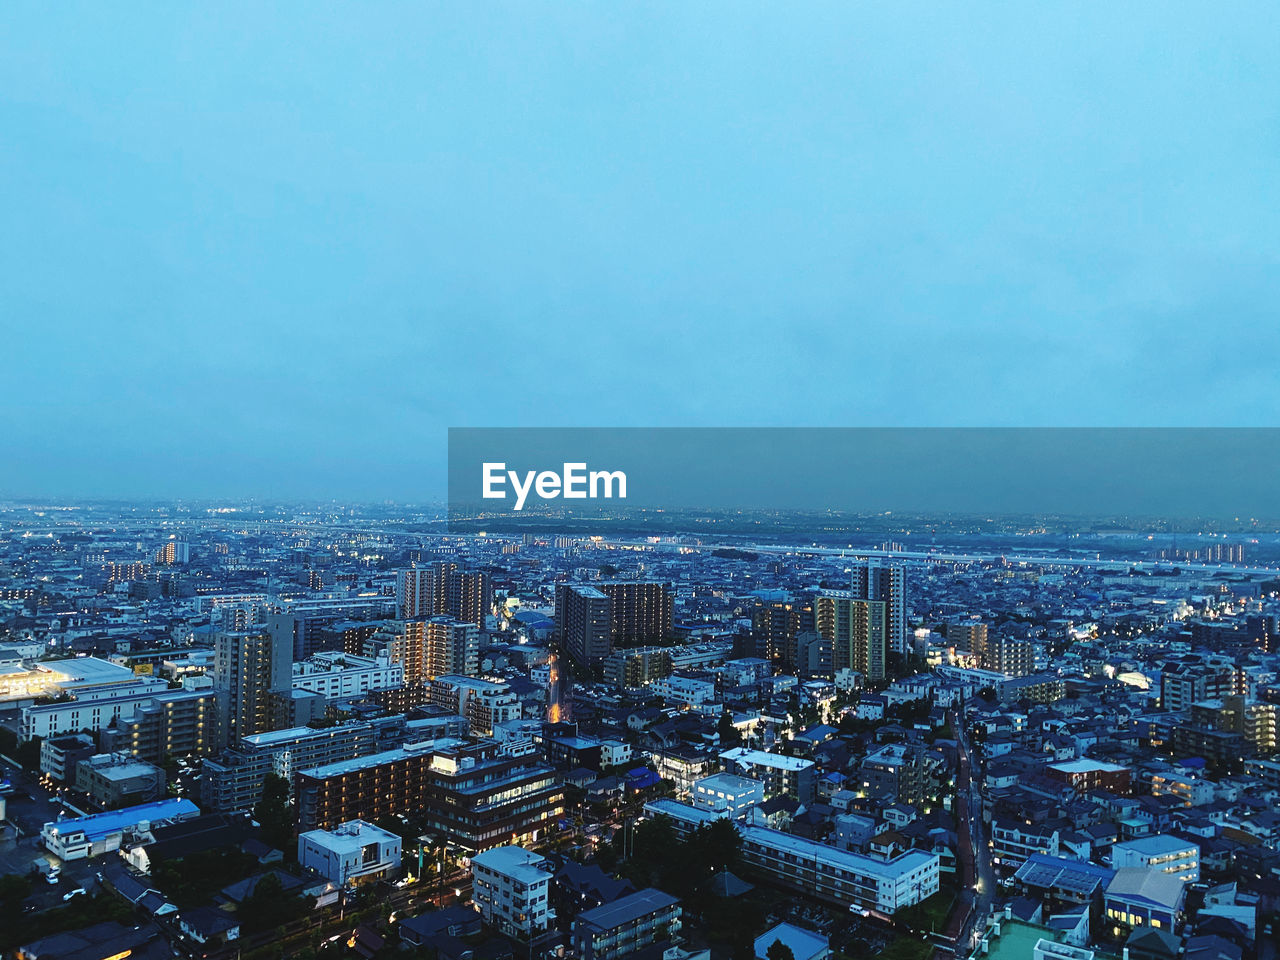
x=354 y=852
x=726 y=793
x=780 y=774
x=337 y=675
x=472 y=794
x=483 y=702
x=118 y=779
x=249 y=666
x=851 y=880
x=1160 y=852
x=511 y=889
x=59 y=756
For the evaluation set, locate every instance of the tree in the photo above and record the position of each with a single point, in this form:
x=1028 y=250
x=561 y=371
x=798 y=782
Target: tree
x=729 y=735
x=779 y=951
x=274 y=813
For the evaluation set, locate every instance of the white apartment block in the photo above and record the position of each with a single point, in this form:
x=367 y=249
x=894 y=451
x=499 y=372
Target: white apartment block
x=726 y=793
x=337 y=675
x=1160 y=852
x=511 y=887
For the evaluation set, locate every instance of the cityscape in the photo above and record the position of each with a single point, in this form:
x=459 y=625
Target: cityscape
x=640 y=481
x=271 y=730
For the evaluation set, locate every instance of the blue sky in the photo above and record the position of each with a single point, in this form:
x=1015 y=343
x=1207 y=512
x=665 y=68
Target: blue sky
x=277 y=249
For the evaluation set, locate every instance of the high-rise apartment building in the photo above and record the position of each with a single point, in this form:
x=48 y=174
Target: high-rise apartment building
x=584 y=622
x=249 y=667
x=427 y=648
x=592 y=618
x=887 y=584
x=774 y=626
x=1010 y=656
x=858 y=631
x=968 y=636
x=444 y=589
x=452 y=647
x=1195 y=678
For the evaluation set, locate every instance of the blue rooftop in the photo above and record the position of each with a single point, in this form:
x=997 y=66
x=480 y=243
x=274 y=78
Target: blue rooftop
x=113 y=821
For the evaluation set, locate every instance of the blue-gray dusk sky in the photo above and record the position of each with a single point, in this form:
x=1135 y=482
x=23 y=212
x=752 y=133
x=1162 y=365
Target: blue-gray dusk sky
x=277 y=249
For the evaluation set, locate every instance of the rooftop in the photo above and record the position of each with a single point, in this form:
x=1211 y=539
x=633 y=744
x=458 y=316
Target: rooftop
x=627 y=910
x=113 y=821
x=759 y=758
x=515 y=862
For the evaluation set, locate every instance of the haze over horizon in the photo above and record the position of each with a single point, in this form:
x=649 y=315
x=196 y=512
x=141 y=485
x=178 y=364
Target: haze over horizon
x=277 y=251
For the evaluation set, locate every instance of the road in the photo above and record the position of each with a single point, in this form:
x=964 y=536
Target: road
x=975 y=853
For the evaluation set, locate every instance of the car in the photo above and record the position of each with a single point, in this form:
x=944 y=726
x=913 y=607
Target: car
x=74 y=893
x=51 y=877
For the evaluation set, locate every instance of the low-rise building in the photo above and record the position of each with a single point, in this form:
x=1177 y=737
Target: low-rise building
x=848 y=879
x=352 y=853
x=118 y=779
x=724 y=792
x=75 y=838
x=780 y=774
x=1159 y=852
x=1138 y=897
x=624 y=926
x=512 y=889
